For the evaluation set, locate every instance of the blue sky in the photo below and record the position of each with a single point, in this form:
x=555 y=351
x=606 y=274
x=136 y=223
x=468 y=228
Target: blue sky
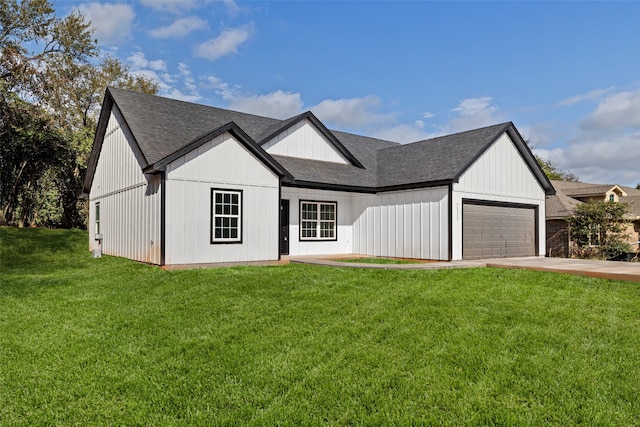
x=566 y=73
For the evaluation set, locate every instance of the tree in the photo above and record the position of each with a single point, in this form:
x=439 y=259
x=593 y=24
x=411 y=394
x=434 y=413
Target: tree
x=52 y=81
x=30 y=144
x=552 y=171
x=597 y=229
x=33 y=39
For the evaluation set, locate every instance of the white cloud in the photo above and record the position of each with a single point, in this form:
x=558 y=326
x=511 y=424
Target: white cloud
x=184 y=69
x=227 y=42
x=472 y=113
x=113 y=22
x=232 y=7
x=179 y=95
x=179 y=28
x=223 y=89
x=152 y=69
x=351 y=113
x=173 y=6
x=404 y=133
x=606 y=147
x=474 y=106
x=139 y=61
x=428 y=115
x=278 y=104
x=594 y=94
x=615 y=113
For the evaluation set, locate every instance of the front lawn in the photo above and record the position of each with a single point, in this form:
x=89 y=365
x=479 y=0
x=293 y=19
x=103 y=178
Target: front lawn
x=112 y=342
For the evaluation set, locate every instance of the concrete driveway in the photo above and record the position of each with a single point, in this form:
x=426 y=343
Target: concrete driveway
x=615 y=270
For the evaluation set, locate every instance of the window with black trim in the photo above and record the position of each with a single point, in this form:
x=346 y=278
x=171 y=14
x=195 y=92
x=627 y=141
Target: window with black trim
x=226 y=216
x=318 y=220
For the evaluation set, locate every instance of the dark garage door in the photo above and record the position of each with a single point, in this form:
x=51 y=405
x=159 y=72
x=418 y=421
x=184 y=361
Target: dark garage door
x=491 y=231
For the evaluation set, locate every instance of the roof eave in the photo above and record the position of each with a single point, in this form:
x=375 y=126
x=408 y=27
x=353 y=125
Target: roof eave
x=365 y=189
x=98 y=138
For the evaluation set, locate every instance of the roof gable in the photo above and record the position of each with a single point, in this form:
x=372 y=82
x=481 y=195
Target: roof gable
x=274 y=134
x=446 y=158
x=163 y=129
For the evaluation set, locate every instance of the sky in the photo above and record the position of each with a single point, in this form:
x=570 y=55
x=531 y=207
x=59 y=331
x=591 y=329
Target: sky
x=567 y=74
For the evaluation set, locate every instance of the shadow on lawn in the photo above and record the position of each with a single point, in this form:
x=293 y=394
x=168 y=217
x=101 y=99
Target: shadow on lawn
x=34 y=257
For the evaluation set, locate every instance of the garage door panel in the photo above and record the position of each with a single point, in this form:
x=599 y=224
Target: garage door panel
x=491 y=231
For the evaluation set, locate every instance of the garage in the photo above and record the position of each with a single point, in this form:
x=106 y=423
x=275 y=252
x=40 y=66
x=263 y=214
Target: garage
x=495 y=230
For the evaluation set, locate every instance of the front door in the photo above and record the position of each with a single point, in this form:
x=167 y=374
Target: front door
x=284 y=227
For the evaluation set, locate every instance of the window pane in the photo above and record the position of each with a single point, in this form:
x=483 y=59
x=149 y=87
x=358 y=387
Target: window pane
x=227 y=197
x=234 y=199
x=234 y=233
x=234 y=210
x=225 y=233
x=226 y=210
x=218 y=198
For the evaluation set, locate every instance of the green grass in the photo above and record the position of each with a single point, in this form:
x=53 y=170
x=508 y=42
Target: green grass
x=377 y=260
x=112 y=342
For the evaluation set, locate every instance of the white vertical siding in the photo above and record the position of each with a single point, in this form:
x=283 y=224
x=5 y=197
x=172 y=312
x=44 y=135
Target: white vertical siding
x=404 y=224
x=347 y=211
x=499 y=175
x=129 y=200
x=220 y=163
x=303 y=140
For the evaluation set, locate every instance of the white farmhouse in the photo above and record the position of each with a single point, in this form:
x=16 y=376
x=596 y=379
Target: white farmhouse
x=174 y=183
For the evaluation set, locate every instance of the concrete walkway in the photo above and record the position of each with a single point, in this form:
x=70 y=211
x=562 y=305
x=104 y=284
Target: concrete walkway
x=614 y=270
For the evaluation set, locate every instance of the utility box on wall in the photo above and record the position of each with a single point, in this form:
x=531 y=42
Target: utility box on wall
x=97 y=252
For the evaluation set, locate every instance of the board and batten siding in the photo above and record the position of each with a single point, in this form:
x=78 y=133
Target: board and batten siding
x=345 y=218
x=403 y=224
x=303 y=140
x=222 y=163
x=499 y=175
x=130 y=216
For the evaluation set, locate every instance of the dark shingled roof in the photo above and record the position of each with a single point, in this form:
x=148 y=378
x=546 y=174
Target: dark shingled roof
x=437 y=159
x=164 y=128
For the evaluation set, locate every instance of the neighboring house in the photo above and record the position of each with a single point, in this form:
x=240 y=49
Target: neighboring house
x=171 y=182
x=570 y=194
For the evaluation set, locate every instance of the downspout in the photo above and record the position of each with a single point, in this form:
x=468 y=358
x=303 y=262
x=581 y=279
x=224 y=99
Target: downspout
x=450 y=254
x=163 y=204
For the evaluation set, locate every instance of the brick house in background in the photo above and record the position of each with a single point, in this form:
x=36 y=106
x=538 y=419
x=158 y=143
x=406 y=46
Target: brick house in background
x=570 y=194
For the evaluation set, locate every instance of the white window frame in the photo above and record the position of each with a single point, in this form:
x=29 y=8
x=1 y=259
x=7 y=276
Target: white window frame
x=97 y=221
x=316 y=224
x=222 y=211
